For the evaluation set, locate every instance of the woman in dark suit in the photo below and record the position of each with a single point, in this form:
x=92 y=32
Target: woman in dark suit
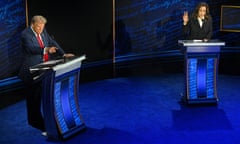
x=199 y=25
x=36 y=50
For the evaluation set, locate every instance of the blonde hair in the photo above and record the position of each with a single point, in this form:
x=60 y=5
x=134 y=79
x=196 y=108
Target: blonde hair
x=38 y=18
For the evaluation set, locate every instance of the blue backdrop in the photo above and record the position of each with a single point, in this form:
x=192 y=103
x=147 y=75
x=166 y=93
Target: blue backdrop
x=155 y=25
x=12 y=22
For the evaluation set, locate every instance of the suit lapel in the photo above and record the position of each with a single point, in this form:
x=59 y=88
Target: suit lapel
x=34 y=38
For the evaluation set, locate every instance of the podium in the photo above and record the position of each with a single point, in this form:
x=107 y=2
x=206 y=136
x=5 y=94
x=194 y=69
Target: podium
x=201 y=70
x=60 y=101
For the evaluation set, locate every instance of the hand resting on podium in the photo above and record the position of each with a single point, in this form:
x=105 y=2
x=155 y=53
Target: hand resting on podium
x=53 y=50
x=68 y=55
x=197 y=40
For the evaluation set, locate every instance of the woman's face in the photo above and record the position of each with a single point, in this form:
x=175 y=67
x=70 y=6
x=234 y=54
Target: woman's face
x=202 y=12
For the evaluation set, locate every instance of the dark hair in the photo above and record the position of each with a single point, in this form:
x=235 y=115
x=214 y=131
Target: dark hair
x=202 y=4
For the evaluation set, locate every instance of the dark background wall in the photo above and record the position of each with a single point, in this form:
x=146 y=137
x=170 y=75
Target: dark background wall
x=80 y=27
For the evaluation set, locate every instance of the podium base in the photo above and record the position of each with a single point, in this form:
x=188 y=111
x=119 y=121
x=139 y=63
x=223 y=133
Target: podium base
x=201 y=100
x=74 y=131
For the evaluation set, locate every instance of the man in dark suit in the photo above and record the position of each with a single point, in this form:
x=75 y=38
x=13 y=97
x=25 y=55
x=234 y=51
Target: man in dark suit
x=199 y=26
x=37 y=46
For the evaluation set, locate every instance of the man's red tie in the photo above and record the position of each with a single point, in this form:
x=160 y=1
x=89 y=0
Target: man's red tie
x=45 y=54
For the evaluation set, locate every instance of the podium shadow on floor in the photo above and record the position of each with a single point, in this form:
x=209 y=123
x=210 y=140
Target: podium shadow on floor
x=200 y=118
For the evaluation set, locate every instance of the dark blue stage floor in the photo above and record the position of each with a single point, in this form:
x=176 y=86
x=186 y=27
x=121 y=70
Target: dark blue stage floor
x=140 y=110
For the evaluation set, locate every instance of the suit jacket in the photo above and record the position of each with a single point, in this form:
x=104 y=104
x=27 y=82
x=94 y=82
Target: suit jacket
x=32 y=53
x=193 y=30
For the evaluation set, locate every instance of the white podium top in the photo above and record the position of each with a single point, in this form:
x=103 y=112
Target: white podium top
x=69 y=66
x=201 y=43
x=59 y=66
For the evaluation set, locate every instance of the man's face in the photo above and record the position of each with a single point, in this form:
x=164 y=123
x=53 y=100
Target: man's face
x=38 y=27
x=202 y=11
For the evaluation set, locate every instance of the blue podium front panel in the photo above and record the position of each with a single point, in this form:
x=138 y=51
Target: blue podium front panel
x=201 y=75
x=66 y=105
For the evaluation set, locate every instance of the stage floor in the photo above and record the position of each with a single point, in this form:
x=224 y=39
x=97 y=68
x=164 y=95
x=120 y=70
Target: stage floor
x=140 y=110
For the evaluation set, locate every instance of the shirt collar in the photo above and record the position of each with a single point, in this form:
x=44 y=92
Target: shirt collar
x=34 y=32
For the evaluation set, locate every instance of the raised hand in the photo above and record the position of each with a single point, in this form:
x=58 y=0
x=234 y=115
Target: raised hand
x=185 y=18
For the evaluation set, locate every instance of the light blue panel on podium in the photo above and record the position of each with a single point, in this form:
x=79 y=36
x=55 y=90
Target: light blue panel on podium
x=192 y=82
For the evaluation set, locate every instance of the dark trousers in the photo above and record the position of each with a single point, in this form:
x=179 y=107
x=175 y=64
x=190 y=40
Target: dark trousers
x=34 y=109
